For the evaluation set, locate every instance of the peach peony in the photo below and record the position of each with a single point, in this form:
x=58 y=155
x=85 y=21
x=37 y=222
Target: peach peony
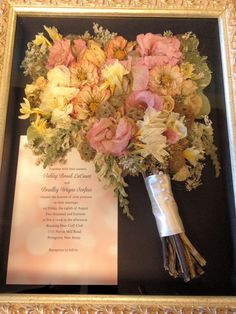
x=95 y=53
x=87 y=100
x=118 y=48
x=106 y=136
x=165 y=80
x=83 y=73
x=80 y=109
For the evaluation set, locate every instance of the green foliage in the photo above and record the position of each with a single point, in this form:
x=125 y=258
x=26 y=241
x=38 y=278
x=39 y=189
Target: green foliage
x=206 y=106
x=189 y=48
x=201 y=69
x=52 y=148
x=58 y=148
x=210 y=148
x=32 y=133
x=107 y=167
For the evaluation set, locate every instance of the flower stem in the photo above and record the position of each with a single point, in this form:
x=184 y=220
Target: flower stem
x=192 y=249
x=181 y=256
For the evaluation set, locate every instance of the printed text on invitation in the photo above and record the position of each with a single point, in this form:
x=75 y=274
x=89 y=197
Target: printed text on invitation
x=64 y=224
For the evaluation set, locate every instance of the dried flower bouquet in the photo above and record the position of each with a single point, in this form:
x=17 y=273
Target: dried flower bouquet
x=131 y=107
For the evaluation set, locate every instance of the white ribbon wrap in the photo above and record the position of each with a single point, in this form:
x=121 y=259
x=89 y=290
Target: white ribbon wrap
x=164 y=207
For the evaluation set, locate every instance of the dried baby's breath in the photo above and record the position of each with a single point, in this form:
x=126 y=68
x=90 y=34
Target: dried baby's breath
x=102 y=35
x=194 y=179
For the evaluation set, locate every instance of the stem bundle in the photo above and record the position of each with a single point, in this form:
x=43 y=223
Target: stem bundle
x=181 y=259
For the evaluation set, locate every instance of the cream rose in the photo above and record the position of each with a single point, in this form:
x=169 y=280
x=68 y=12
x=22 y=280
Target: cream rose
x=195 y=102
x=57 y=94
x=168 y=103
x=59 y=76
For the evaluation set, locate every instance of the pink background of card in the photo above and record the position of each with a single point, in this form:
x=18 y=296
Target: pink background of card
x=30 y=261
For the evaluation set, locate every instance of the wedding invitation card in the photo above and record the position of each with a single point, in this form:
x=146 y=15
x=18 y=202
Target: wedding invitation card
x=64 y=224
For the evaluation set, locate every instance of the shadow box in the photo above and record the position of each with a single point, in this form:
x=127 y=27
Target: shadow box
x=208 y=212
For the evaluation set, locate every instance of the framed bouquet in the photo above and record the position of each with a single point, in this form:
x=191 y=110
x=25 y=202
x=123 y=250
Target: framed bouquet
x=130 y=107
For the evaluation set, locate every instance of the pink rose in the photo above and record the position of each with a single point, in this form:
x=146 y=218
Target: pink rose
x=158 y=49
x=60 y=54
x=146 y=43
x=105 y=136
x=144 y=99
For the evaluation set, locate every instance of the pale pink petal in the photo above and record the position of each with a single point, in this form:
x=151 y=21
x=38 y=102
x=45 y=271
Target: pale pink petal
x=140 y=75
x=127 y=63
x=152 y=61
x=97 y=133
x=126 y=129
x=144 y=99
x=79 y=47
x=171 y=136
x=145 y=43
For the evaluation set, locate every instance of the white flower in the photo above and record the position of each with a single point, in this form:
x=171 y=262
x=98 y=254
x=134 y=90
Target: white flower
x=30 y=89
x=151 y=130
x=56 y=97
x=25 y=109
x=59 y=76
x=60 y=116
x=38 y=85
x=57 y=93
x=176 y=123
x=113 y=75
